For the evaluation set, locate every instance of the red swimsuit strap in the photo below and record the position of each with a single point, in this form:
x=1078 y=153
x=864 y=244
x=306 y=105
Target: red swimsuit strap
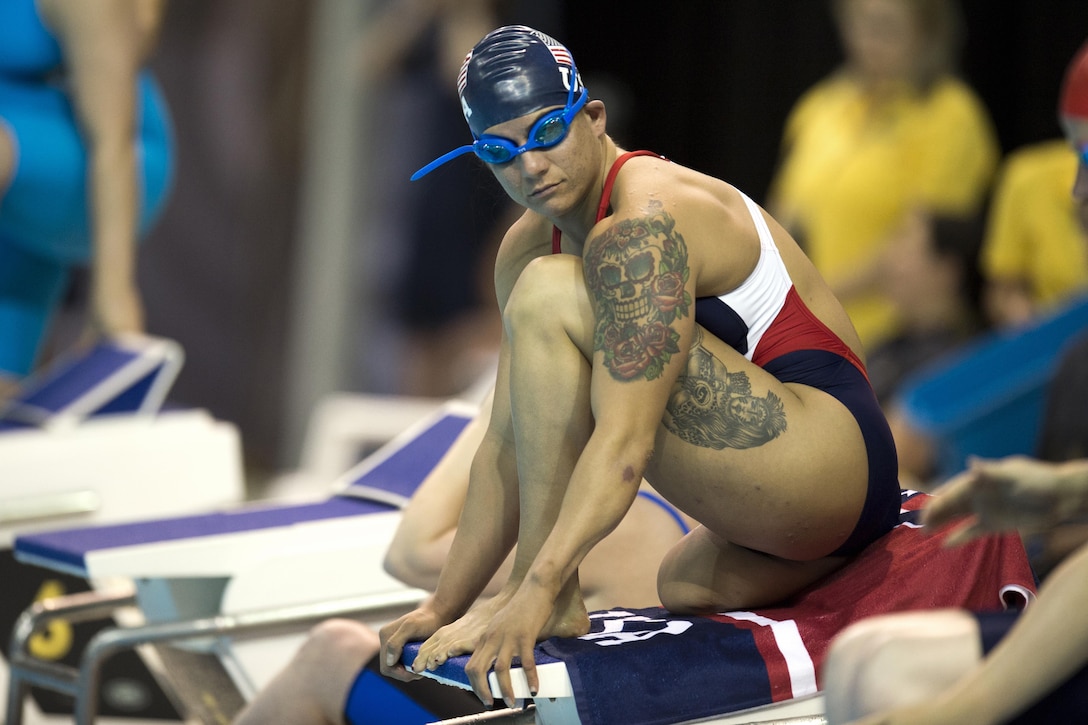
x=606 y=193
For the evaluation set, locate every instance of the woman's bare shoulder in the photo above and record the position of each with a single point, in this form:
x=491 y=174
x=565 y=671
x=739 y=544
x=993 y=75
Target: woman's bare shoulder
x=653 y=184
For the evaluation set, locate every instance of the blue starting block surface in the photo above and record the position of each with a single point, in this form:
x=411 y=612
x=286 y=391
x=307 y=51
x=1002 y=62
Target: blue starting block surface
x=67 y=550
x=376 y=486
x=128 y=375
x=393 y=473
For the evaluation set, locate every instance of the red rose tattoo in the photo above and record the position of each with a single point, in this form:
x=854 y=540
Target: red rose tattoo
x=636 y=273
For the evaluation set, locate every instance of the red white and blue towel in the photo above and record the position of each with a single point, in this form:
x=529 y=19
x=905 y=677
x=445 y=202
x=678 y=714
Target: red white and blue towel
x=647 y=666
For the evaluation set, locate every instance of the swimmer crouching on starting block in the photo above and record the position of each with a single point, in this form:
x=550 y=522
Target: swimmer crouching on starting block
x=333 y=678
x=657 y=323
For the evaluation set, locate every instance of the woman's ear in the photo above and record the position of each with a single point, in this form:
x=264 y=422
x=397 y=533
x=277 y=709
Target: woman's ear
x=597 y=115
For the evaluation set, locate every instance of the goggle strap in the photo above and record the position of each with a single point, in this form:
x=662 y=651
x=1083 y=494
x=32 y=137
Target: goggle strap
x=441 y=160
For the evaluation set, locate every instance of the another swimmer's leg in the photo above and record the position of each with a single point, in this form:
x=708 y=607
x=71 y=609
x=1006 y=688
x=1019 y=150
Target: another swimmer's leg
x=312 y=688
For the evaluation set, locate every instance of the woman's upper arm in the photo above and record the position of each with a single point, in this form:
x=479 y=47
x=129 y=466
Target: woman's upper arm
x=638 y=275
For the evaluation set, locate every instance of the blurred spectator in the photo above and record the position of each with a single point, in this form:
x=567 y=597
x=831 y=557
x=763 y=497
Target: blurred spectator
x=950 y=666
x=893 y=129
x=219 y=266
x=86 y=161
x=930 y=273
x=1035 y=255
x=444 y=229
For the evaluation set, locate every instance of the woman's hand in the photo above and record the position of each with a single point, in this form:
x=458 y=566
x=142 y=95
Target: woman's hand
x=508 y=639
x=1012 y=493
x=459 y=637
x=417 y=625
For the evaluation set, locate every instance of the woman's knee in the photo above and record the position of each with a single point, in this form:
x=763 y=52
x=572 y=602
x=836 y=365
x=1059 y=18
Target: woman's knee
x=549 y=291
x=687 y=580
x=706 y=573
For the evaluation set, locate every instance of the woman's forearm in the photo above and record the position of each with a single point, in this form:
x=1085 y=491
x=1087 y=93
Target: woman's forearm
x=486 y=530
x=104 y=46
x=600 y=493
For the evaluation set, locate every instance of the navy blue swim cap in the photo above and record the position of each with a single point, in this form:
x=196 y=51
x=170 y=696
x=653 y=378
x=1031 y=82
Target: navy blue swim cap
x=511 y=72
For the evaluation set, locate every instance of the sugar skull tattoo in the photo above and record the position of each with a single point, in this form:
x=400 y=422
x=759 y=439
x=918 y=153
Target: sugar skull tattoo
x=714 y=408
x=637 y=274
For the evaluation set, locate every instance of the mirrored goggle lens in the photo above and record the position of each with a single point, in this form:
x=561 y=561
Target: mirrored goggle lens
x=494 y=152
x=550 y=130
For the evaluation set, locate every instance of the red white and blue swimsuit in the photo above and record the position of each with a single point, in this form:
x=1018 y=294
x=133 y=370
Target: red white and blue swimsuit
x=765 y=320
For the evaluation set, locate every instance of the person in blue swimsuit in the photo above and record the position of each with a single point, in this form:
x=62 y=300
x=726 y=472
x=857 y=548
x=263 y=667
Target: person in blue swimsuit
x=86 y=162
x=657 y=324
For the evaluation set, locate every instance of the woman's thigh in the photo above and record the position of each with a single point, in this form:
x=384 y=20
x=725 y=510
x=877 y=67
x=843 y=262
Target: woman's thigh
x=777 y=467
x=780 y=468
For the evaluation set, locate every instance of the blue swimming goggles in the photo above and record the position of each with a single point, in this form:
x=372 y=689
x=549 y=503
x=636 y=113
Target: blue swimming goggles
x=549 y=130
x=1083 y=150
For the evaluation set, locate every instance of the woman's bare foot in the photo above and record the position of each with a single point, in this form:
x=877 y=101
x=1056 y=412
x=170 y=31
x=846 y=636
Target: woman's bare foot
x=569 y=617
x=459 y=637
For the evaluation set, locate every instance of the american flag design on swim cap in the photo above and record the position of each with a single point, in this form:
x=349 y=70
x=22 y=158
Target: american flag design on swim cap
x=513 y=71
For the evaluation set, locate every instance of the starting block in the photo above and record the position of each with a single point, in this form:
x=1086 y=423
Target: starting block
x=86 y=442
x=212 y=580
x=127 y=375
x=84 y=437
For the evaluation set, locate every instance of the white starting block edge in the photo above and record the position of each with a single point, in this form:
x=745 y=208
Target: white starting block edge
x=117 y=468
x=552 y=675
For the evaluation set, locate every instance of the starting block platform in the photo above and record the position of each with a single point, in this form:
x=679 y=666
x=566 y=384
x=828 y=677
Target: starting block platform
x=84 y=437
x=207 y=578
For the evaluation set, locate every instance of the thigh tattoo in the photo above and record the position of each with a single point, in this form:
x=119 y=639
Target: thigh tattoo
x=711 y=407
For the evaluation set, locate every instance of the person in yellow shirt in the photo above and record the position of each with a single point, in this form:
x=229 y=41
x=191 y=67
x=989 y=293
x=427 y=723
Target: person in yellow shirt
x=891 y=131
x=1035 y=254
